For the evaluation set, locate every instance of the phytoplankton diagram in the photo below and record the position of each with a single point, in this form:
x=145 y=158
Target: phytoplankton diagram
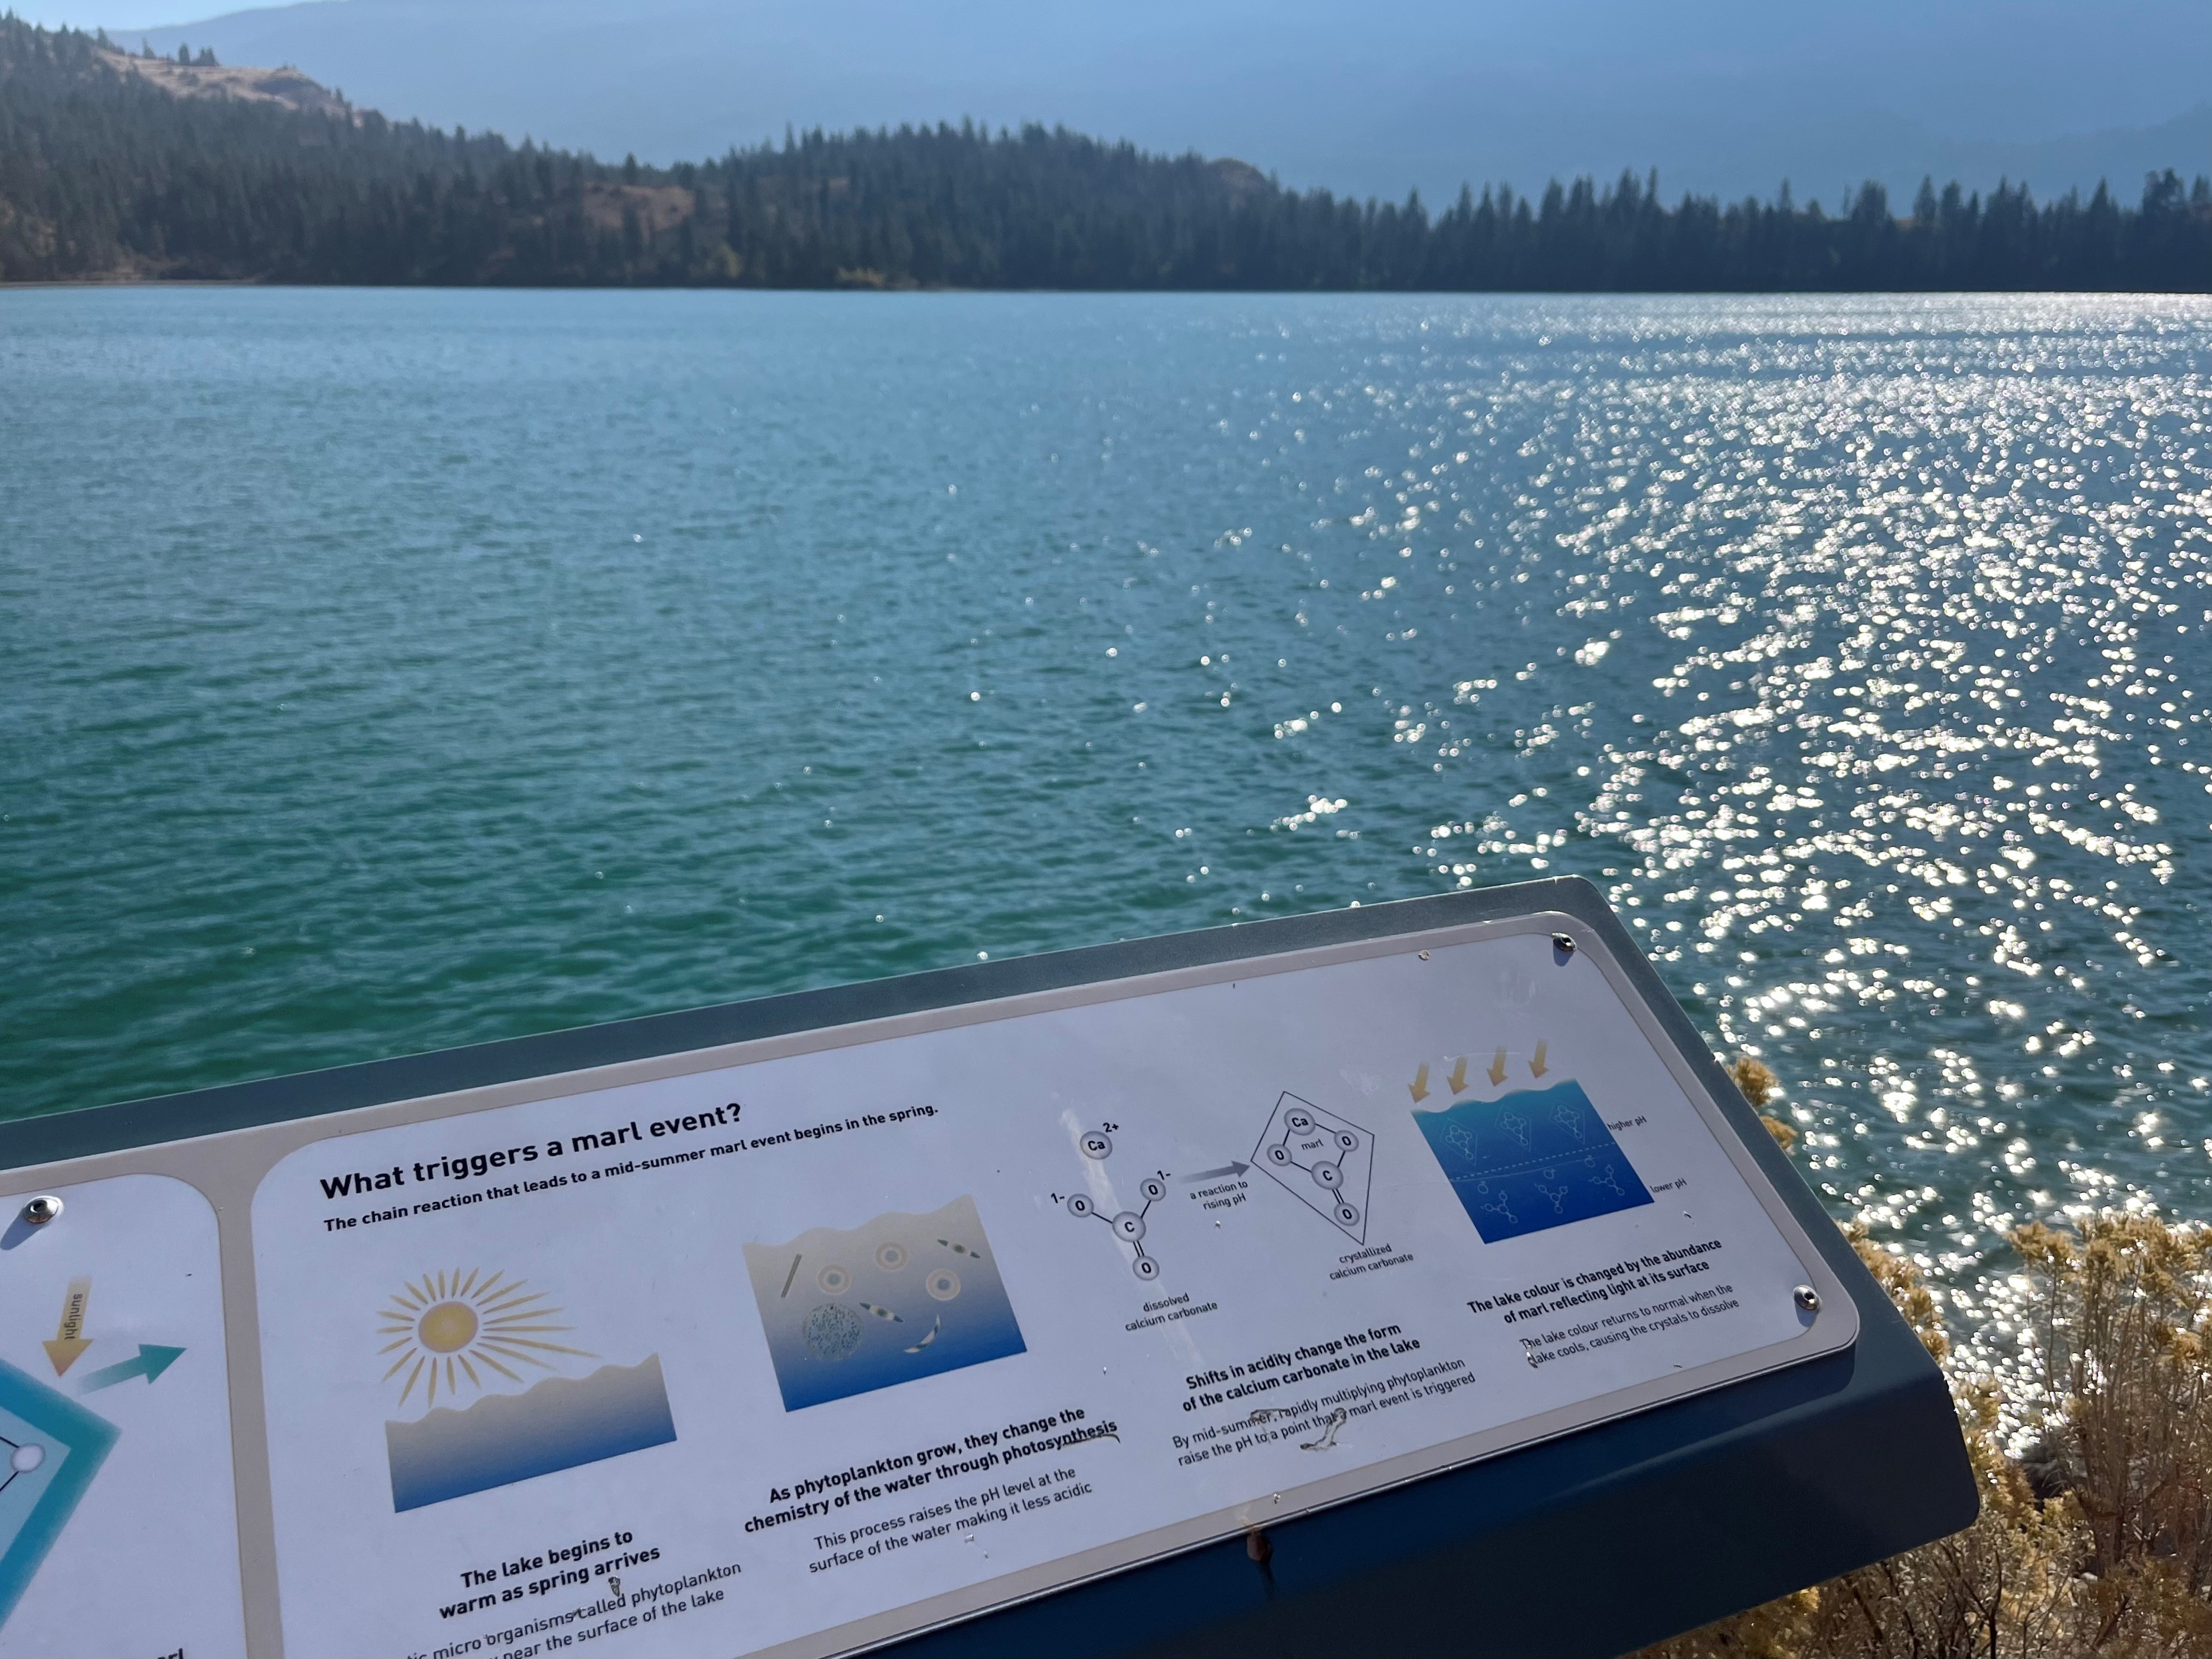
x=899 y=1296
x=1324 y=1161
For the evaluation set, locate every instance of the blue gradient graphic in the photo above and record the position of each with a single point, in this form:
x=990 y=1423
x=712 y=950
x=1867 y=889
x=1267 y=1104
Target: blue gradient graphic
x=36 y=1504
x=1532 y=1159
x=559 y=1424
x=898 y=1298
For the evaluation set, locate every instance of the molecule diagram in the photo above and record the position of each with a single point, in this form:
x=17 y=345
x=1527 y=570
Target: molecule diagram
x=1129 y=1225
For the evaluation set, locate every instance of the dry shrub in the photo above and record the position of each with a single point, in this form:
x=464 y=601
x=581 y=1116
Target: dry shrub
x=2128 y=1385
x=2100 y=1540
x=1756 y=1078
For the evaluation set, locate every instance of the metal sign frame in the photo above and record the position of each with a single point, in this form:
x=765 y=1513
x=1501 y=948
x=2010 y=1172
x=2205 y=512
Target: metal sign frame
x=224 y=1141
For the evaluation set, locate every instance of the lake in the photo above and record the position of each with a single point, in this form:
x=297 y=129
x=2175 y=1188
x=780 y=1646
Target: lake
x=392 y=670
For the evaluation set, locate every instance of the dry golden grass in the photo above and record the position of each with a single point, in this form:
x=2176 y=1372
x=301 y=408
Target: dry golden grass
x=2099 y=1540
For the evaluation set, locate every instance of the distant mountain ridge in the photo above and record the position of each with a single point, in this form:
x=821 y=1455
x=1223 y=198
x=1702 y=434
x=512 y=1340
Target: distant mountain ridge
x=113 y=168
x=1724 y=97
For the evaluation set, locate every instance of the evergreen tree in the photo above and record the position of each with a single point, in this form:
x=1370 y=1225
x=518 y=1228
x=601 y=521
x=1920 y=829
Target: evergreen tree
x=103 y=172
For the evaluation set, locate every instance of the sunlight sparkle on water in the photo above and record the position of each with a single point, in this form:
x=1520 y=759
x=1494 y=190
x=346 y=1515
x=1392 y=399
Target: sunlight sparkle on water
x=614 y=653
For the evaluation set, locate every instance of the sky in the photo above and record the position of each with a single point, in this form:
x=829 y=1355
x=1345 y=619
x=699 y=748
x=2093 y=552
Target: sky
x=1723 y=96
x=82 y=16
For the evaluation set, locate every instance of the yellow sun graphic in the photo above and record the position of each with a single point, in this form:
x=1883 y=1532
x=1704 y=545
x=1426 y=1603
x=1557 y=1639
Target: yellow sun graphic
x=445 y=1325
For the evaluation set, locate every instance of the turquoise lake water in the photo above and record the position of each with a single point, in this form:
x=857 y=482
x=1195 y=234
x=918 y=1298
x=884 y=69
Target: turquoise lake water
x=386 y=671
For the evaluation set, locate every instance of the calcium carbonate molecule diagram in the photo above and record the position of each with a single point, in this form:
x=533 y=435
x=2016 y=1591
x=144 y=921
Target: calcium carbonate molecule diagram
x=1324 y=1161
x=1129 y=1225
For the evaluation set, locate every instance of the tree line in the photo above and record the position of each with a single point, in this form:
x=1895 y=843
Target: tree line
x=105 y=173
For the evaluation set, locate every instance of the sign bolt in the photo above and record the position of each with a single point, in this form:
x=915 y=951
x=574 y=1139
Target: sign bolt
x=1807 y=1298
x=1563 y=943
x=42 y=1209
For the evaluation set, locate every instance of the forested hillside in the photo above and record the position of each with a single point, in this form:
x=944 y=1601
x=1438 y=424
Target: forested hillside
x=109 y=170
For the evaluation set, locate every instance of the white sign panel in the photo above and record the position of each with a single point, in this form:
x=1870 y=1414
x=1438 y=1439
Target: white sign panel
x=823 y=1340
x=119 y=1530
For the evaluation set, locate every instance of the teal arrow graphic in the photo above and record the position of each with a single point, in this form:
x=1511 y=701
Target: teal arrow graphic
x=151 y=1362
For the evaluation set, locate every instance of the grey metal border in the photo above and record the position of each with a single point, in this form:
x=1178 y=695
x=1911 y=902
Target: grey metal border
x=205 y=1137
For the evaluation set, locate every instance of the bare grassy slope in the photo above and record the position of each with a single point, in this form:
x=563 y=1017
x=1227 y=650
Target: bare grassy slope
x=287 y=87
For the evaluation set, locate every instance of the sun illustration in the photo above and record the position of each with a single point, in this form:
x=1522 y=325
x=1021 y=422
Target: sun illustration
x=445 y=1325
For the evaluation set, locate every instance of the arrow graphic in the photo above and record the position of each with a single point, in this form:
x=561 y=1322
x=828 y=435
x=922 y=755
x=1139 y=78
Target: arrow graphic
x=1536 y=1067
x=70 y=1341
x=151 y=1362
x=1459 y=1075
x=1215 y=1175
x=1420 y=1084
x=1498 y=1068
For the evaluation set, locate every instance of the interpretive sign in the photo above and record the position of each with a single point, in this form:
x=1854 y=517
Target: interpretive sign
x=115 y=1427
x=803 y=1343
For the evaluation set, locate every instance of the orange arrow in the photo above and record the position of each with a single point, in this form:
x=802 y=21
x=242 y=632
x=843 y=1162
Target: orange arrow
x=69 y=1341
x=1459 y=1075
x=1498 y=1068
x=1536 y=1067
x=1420 y=1084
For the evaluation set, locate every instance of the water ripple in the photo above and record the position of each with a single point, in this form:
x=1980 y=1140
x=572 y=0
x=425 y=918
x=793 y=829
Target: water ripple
x=391 y=670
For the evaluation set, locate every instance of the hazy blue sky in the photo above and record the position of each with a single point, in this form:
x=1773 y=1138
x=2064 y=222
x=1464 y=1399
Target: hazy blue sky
x=1726 y=95
x=130 y=13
